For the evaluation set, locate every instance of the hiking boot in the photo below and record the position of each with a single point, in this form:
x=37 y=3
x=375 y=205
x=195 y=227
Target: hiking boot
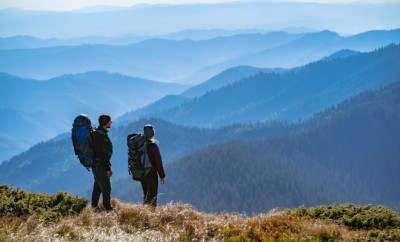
x=96 y=208
x=109 y=209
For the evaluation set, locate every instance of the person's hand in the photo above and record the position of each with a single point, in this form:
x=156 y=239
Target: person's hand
x=109 y=173
x=162 y=181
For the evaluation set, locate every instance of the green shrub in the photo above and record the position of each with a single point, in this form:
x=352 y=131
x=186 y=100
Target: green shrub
x=384 y=235
x=353 y=216
x=47 y=207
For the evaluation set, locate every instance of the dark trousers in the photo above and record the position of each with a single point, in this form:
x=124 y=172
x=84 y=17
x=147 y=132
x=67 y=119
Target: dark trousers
x=150 y=188
x=101 y=185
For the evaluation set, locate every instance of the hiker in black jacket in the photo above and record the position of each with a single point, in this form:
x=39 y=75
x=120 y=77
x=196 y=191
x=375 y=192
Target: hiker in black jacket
x=102 y=151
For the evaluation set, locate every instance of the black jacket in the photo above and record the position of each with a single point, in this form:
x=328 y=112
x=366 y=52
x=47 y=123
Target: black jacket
x=102 y=148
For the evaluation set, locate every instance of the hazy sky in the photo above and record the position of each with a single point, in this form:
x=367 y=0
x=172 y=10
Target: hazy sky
x=77 y=4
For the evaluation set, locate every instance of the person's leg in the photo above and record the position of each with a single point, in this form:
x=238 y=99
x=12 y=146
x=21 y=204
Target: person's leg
x=107 y=193
x=104 y=183
x=144 y=188
x=152 y=188
x=96 y=192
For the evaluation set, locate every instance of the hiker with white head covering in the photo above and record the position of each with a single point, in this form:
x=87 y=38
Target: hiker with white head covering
x=150 y=181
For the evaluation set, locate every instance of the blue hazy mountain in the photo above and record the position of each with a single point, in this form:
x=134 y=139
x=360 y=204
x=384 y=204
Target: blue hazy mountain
x=62 y=98
x=152 y=109
x=342 y=54
x=294 y=94
x=223 y=79
x=91 y=92
x=29 y=42
x=188 y=61
x=155 y=59
x=38 y=110
x=314 y=46
x=205 y=34
x=20 y=130
x=162 y=19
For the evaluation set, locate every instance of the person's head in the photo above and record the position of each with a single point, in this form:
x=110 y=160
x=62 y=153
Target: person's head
x=148 y=131
x=105 y=121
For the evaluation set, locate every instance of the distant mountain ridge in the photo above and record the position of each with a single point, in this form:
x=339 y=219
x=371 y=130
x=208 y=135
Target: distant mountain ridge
x=20 y=130
x=225 y=78
x=155 y=59
x=158 y=19
x=314 y=46
x=291 y=95
x=29 y=42
x=189 y=61
x=39 y=110
x=64 y=97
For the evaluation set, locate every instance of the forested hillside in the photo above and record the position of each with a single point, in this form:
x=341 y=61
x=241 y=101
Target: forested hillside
x=54 y=160
x=352 y=155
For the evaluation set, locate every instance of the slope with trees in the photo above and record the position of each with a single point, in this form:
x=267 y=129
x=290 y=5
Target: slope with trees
x=351 y=155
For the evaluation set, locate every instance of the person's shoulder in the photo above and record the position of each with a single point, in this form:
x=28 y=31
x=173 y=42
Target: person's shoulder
x=152 y=144
x=100 y=131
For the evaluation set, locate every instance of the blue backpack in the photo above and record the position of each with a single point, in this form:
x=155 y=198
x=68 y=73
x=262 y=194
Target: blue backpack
x=82 y=135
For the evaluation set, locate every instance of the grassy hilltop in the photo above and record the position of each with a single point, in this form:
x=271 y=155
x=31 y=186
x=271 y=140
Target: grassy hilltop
x=29 y=216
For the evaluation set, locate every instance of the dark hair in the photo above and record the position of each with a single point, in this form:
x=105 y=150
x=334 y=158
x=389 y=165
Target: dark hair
x=104 y=119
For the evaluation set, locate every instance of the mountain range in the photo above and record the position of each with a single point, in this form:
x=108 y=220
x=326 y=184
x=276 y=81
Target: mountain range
x=43 y=109
x=256 y=104
x=160 y=19
x=155 y=59
x=189 y=61
x=347 y=153
x=39 y=110
x=25 y=102
x=286 y=95
x=34 y=110
x=29 y=42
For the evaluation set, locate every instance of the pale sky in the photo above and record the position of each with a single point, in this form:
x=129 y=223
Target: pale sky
x=61 y=5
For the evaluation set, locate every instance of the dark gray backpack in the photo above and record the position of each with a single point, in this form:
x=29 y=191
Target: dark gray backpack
x=137 y=150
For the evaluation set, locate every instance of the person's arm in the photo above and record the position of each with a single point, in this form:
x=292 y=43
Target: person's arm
x=156 y=160
x=101 y=148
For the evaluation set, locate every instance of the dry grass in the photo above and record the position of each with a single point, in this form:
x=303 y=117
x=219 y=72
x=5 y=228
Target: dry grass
x=181 y=222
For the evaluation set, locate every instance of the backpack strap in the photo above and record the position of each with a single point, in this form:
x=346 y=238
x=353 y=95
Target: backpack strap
x=147 y=142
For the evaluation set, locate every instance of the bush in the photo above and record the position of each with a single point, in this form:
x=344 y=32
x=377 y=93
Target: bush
x=353 y=216
x=47 y=207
